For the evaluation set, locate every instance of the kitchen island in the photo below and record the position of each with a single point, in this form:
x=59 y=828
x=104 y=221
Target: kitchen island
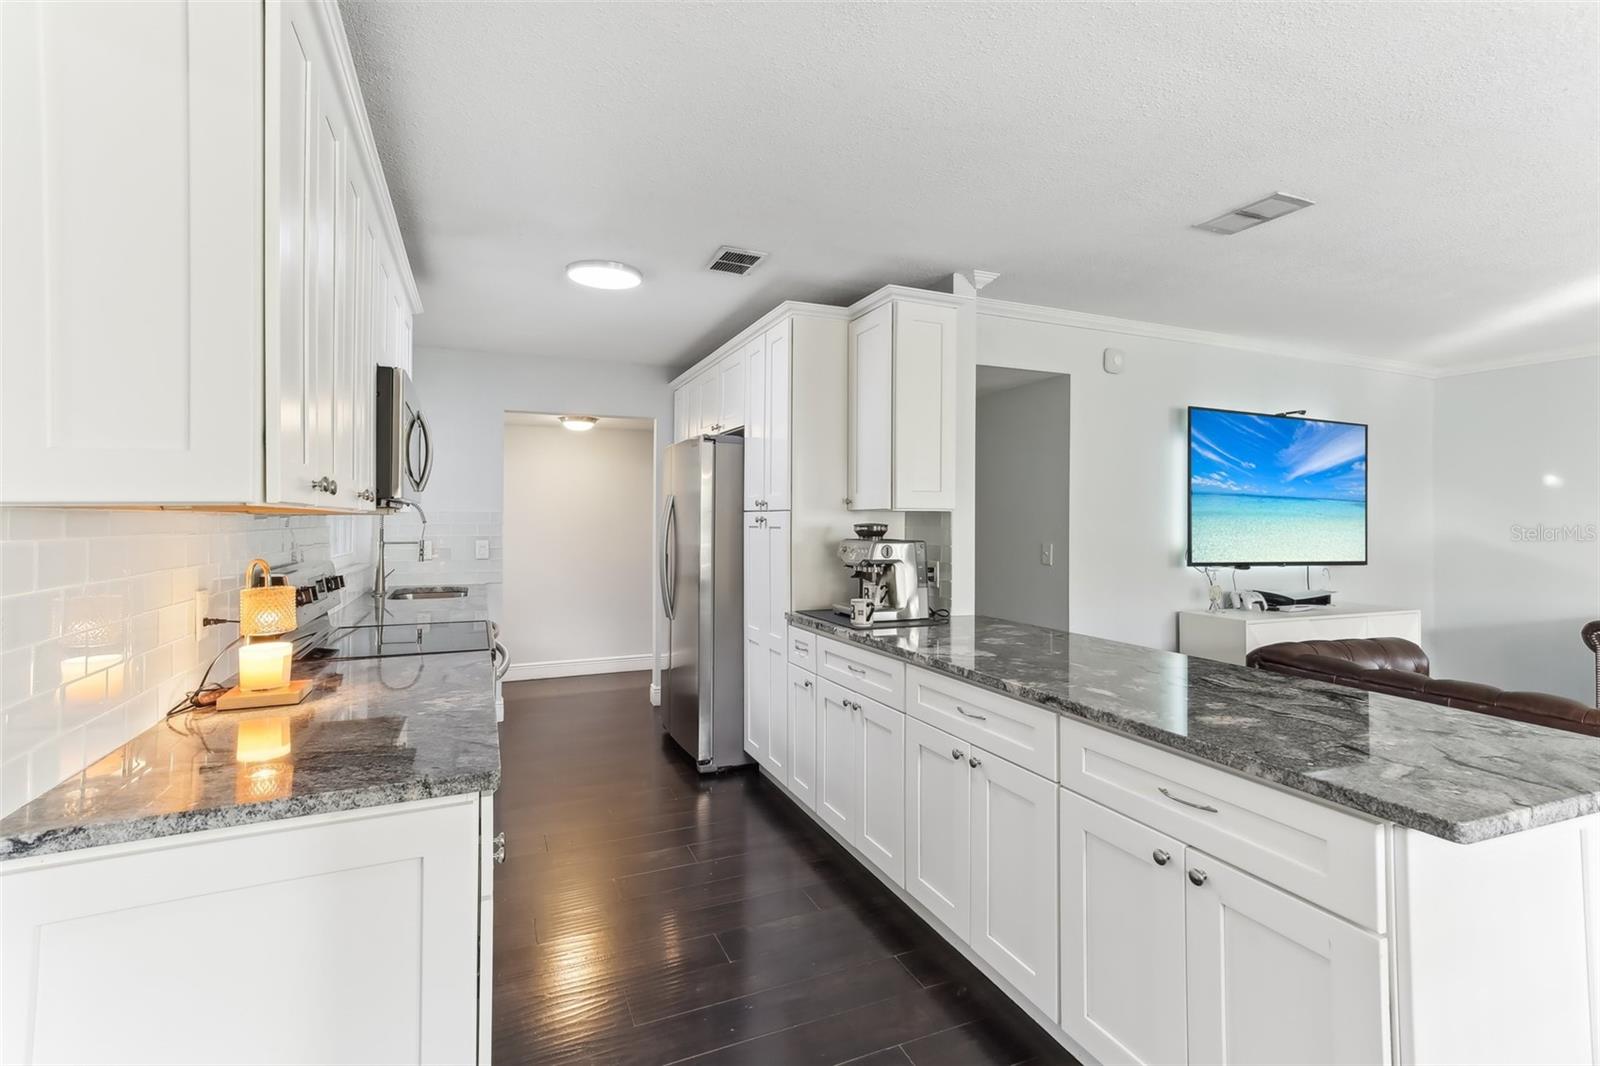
x=202 y=863
x=1172 y=859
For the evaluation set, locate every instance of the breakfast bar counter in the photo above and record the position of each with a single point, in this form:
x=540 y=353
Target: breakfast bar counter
x=1457 y=775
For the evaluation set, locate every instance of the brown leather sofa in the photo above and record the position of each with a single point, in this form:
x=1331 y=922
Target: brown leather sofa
x=1400 y=668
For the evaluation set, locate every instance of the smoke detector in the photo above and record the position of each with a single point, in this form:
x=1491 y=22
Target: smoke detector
x=738 y=261
x=1264 y=210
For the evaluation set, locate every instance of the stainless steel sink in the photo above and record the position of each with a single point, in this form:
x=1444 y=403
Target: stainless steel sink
x=429 y=592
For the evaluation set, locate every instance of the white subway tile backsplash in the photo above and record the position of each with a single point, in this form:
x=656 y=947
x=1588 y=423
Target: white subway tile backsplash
x=98 y=634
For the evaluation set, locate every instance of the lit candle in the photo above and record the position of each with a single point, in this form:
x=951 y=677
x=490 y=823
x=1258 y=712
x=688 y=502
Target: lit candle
x=265 y=666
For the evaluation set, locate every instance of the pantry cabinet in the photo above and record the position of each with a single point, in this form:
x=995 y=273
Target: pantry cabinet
x=766 y=601
x=766 y=435
x=901 y=383
x=192 y=317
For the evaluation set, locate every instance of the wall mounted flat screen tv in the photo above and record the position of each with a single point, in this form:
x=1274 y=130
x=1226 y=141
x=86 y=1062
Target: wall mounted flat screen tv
x=1273 y=490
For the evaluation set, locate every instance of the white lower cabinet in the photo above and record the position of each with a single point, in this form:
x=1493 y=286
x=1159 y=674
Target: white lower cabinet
x=387 y=901
x=802 y=700
x=766 y=641
x=1013 y=819
x=1170 y=955
x=838 y=760
x=938 y=833
x=1274 y=980
x=1123 y=975
x=883 y=792
x=775 y=675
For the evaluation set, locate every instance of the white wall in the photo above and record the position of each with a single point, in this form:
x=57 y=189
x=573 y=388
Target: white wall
x=578 y=558
x=466 y=396
x=1023 y=449
x=1510 y=601
x=1126 y=571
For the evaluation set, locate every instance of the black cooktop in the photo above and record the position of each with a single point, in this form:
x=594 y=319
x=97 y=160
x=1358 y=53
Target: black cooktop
x=403 y=638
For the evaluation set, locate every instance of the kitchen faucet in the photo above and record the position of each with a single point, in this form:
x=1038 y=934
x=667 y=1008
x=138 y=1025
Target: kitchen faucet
x=380 y=581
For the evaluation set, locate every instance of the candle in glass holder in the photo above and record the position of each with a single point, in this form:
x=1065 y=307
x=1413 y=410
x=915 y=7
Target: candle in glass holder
x=265 y=666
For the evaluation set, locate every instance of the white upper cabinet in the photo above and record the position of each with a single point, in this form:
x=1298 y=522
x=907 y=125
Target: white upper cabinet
x=196 y=247
x=130 y=317
x=766 y=435
x=731 y=392
x=902 y=373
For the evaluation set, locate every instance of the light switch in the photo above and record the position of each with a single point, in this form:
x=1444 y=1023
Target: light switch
x=480 y=549
x=1047 y=554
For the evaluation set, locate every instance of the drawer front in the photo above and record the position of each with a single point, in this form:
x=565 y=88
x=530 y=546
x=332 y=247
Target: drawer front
x=803 y=648
x=1332 y=858
x=862 y=671
x=1308 y=628
x=1016 y=731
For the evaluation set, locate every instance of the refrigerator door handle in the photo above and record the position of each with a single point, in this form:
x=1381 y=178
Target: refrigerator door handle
x=669 y=566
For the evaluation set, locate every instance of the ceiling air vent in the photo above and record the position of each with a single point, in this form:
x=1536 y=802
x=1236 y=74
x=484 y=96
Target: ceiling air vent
x=1242 y=218
x=735 y=260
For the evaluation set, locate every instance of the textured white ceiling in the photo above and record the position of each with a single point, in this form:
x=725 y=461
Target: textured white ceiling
x=1451 y=148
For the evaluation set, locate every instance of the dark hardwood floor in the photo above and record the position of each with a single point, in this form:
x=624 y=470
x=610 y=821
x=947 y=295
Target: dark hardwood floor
x=645 y=914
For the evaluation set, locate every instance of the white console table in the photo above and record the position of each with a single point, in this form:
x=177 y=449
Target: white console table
x=1231 y=635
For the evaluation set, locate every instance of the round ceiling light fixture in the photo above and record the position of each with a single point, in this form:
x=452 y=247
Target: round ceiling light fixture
x=578 y=423
x=603 y=274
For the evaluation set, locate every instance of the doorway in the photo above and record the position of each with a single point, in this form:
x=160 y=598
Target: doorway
x=579 y=507
x=1021 y=481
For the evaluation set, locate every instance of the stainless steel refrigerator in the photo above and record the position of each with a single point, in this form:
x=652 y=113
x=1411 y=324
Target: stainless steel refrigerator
x=702 y=595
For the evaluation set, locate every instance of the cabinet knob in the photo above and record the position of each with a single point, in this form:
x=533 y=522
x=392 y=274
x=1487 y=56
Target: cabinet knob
x=1161 y=857
x=808 y=683
x=326 y=484
x=848 y=502
x=368 y=495
x=1197 y=876
x=957 y=754
x=974 y=762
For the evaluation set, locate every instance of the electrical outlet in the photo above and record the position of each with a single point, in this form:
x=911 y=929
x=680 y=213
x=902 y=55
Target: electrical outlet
x=1047 y=554
x=427 y=549
x=480 y=549
x=202 y=607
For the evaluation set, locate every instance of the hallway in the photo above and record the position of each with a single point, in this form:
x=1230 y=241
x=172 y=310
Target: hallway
x=645 y=916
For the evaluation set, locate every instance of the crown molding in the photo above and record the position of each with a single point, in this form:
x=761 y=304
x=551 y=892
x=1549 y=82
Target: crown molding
x=784 y=310
x=1511 y=362
x=1058 y=316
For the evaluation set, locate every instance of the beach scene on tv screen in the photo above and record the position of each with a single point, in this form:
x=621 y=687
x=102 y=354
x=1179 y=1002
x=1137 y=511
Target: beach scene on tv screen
x=1269 y=489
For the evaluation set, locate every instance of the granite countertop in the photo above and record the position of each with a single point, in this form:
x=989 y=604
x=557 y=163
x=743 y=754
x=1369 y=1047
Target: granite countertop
x=1454 y=774
x=373 y=731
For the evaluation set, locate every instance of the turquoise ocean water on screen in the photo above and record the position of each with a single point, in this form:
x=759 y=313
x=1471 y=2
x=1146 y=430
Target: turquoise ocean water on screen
x=1227 y=528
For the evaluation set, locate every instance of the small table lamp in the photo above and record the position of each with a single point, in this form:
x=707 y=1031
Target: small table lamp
x=265 y=611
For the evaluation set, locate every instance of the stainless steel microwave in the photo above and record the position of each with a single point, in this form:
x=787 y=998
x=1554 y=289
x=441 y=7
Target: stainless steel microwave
x=405 y=446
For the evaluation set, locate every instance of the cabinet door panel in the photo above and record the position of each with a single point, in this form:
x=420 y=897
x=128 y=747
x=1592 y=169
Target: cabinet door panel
x=680 y=419
x=803 y=735
x=775 y=674
x=776 y=625
x=1275 y=980
x=871 y=394
x=924 y=429
x=938 y=840
x=130 y=202
x=1014 y=898
x=1122 y=936
x=756 y=687
x=711 y=401
x=883 y=788
x=346 y=396
x=776 y=459
x=838 y=760
x=755 y=427
x=730 y=373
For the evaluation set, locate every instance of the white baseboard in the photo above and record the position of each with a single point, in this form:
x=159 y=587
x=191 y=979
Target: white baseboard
x=609 y=664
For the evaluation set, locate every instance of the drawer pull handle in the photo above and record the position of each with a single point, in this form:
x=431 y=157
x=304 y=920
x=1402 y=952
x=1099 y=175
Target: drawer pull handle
x=800 y=647
x=854 y=669
x=1197 y=876
x=1161 y=856
x=1188 y=803
x=968 y=714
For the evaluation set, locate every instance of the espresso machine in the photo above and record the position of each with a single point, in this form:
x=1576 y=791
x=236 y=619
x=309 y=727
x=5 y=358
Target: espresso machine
x=892 y=575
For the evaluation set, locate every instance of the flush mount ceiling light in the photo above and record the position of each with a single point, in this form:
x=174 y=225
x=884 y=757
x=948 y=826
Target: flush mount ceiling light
x=578 y=423
x=603 y=274
x=1264 y=210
